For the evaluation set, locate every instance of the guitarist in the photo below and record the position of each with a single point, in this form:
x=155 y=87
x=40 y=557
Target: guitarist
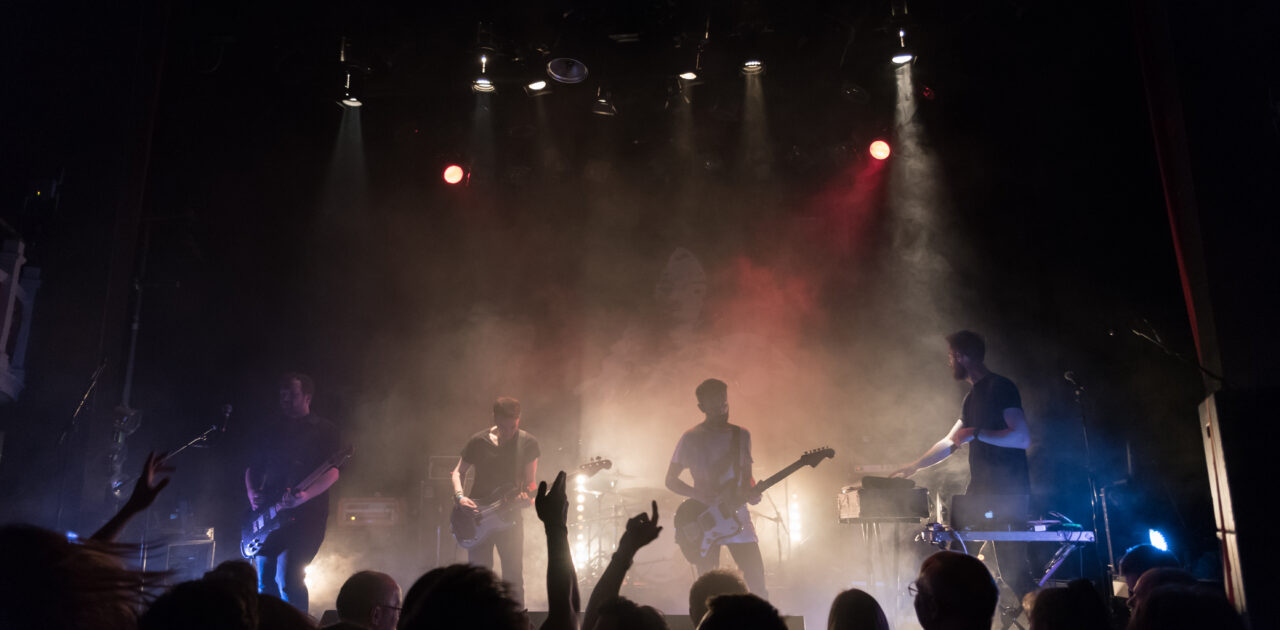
x=718 y=457
x=288 y=450
x=502 y=455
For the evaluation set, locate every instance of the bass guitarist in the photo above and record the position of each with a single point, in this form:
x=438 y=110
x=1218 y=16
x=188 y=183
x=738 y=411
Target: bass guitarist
x=504 y=457
x=718 y=457
x=287 y=451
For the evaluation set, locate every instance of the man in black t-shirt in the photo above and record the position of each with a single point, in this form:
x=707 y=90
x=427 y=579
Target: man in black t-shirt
x=992 y=422
x=505 y=459
x=288 y=450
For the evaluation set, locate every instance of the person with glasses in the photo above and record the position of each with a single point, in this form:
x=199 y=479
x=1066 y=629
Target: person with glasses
x=368 y=600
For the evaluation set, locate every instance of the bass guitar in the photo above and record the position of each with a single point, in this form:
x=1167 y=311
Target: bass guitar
x=498 y=511
x=700 y=526
x=271 y=518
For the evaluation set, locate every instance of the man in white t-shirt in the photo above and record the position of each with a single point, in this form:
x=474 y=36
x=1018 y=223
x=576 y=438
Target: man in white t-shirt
x=718 y=457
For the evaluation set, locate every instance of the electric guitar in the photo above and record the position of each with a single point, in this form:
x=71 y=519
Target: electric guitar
x=271 y=518
x=699 y=526
x=497 y=511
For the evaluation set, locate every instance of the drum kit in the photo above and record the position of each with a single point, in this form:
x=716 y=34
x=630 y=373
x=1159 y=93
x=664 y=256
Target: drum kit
x=599 y=508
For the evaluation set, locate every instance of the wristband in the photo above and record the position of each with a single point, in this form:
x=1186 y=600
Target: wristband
x=457 y=497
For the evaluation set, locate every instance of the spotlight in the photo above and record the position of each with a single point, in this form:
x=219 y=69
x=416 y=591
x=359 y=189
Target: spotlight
x=688 y=76
x=567 y=70
x=902 y=54
x=482 y=84
x=602 y=106
x=879 y=149
x=752 y=66
x=1157 y=540
x=347 y=98
x=454 y=174
x=536 y=88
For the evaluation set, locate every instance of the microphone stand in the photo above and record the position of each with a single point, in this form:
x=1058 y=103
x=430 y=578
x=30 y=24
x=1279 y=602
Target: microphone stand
x=67 y=431
x=146 y=517
x=1093 y=485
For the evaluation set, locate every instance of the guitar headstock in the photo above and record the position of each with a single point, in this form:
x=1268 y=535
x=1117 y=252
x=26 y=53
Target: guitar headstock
x=815 y=456
x=593 y=466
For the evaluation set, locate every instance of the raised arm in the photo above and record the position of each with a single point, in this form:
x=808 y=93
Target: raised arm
x=552 y=507
x=641 y=530
x=941 y=450
x=144 y=494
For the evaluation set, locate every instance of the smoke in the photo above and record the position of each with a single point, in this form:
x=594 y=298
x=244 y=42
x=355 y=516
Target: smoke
x=825 y=315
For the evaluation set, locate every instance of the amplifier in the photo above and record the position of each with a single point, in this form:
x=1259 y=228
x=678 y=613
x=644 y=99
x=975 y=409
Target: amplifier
x=188 y=559
x=856 y=502
x=370 y=511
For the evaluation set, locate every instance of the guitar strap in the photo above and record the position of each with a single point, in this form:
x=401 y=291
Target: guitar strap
x=735 y=447
x=521 y=482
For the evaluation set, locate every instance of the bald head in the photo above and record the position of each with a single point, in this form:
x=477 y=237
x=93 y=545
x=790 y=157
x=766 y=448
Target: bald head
x=370 y=599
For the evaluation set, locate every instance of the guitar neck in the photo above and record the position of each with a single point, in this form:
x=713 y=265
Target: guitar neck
x=779 y=476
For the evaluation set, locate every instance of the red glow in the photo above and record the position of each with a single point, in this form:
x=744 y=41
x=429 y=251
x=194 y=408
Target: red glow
x=879 y=149
x=453 y=173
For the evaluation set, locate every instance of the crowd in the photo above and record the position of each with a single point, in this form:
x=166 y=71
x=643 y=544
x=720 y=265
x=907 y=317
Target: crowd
x=49 y=581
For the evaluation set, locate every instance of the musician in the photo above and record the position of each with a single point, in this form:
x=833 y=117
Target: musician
x=992 y=423
x=503 y=456
x=718 y=467
x=288 y=450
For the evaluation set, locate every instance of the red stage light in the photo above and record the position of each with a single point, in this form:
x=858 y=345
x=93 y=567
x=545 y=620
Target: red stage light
x=453 y=173
x=879 y=149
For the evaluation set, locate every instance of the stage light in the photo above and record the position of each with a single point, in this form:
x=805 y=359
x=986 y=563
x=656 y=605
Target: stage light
x=348 y=99
x=482 y=83
x=752 y=66
x=1157 y=540
x=536 y=88
x=902 y=54
x=602 y=106
x=454 y=174
x=880 y=149
x=567 y=70
x=688 y=76
x=581 y=479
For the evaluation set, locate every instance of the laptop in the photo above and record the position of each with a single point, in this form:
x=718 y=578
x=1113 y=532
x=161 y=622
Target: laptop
x=990 y=512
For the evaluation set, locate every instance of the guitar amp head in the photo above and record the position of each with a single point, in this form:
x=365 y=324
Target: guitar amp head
x=370 y=511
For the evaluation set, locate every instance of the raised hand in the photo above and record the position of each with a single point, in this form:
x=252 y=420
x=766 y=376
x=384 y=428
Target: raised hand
x=642 y=529
x=147 y=488
x=552 y=505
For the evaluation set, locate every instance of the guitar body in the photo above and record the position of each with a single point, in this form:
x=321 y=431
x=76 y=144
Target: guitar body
x=699 y=527
x=495 y=513
x=262 y=523
x=498 y=511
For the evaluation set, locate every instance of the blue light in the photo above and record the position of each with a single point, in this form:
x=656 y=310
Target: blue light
x=1157 y=540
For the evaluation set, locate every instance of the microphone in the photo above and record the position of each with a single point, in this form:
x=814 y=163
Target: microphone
x=226 y=416
x=1073 y=379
